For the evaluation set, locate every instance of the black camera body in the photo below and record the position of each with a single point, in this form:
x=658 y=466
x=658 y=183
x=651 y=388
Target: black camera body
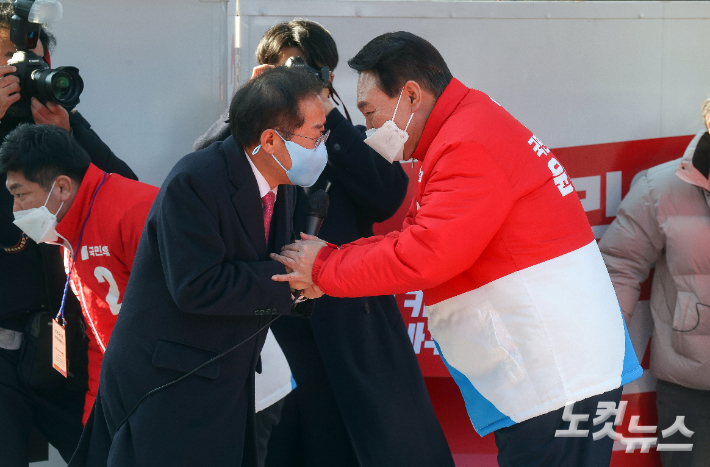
x=323 y=74
x=61 y=85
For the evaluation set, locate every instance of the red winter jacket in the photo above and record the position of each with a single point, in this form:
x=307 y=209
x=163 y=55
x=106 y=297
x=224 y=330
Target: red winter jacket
x=518 y=298
x=105 y=256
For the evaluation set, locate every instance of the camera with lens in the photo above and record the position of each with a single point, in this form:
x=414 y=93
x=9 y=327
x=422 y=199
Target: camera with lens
x=61 y=85
x=323 y=74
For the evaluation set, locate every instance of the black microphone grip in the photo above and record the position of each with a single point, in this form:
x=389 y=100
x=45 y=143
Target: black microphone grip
x=313 y=224
x=316 y=212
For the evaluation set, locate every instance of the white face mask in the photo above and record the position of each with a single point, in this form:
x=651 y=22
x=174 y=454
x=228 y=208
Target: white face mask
x=388 y=140
x=39 y=223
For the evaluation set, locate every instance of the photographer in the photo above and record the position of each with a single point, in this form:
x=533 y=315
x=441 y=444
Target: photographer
x=32 y=279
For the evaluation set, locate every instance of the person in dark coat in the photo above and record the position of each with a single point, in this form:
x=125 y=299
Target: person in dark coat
x=360 y=398
x=32 y=279
x=201 y=288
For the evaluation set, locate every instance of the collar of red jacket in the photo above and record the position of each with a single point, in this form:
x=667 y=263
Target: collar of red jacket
x=444 y=107
x=71 y=224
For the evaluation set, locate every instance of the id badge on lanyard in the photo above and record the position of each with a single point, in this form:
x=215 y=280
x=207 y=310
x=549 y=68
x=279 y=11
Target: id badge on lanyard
x=59 y=348
x=59 y=342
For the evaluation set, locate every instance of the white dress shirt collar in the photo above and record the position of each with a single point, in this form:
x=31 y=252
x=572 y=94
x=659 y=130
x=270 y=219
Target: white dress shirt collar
x=260 y=180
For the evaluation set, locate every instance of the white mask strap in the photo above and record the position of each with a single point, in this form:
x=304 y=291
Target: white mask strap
x=60 y=208
x=409 y=121
x=50 y=192
x=397 y=106
x=256 y=149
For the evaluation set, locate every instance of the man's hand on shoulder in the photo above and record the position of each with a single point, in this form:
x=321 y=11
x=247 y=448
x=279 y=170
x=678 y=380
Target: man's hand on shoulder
x=50 y=114
x=9 y=88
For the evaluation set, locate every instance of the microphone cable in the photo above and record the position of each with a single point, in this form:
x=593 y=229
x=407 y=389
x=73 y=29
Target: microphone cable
x=199 y=367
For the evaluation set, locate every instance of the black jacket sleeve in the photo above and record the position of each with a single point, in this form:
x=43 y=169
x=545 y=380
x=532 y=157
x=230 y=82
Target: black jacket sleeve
x=101 y=156
x=219 y=131
x=376 y=187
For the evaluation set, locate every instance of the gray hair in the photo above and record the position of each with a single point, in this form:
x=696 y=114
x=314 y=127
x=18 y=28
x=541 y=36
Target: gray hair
x=706 y=108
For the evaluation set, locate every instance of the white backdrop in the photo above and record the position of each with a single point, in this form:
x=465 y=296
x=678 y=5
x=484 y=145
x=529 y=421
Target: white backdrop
x=151 y=72
x=575 y=73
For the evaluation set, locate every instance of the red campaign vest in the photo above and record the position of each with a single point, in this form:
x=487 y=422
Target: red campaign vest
x=104 y=259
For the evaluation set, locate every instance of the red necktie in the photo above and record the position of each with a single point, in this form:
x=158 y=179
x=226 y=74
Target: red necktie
x=267 y=202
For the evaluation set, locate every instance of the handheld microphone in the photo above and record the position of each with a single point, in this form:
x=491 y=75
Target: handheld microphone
x=316 y=212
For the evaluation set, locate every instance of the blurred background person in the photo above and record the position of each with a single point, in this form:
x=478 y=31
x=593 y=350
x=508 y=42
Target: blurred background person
x=665 y=220
x=99 y=220
x=32 y=279
x=360 y=398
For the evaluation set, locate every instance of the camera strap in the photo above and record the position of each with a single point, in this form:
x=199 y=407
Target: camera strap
x=334 y=94
x=18 y=247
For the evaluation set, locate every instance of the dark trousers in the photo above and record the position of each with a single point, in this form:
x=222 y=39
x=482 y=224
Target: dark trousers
x=56 y=414
x=311 y=432
x=532 y=443
x=299 y=442
x=673 y=400
x=265 y=421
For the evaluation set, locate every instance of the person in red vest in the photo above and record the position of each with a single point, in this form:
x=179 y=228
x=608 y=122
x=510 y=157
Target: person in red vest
x=61 y=197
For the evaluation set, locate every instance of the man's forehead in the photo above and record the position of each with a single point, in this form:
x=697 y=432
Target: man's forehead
x=368 y=90
x=16 y=180
x=312 y=109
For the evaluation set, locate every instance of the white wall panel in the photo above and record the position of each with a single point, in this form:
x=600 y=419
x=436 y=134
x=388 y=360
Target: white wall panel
x=576 y=73
x=151 y=73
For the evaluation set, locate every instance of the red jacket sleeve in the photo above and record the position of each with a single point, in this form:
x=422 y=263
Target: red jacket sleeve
x=464 y=203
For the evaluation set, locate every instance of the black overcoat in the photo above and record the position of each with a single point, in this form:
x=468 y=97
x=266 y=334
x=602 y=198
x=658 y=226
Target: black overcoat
x=368 y=363
x=201 y=283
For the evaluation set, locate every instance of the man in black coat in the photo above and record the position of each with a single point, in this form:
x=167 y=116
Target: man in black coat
x=360 y=398
x=32 y=279
x=201 y=287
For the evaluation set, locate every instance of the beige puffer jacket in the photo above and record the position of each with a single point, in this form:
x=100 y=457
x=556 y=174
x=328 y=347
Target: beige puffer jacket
x=665 y=219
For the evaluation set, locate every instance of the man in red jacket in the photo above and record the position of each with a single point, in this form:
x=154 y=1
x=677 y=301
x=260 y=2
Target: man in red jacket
x=61 y=197
x=519 y=301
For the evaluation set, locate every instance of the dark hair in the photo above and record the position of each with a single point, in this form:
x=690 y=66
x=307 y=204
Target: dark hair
x=42 y=153
x=7 y=10
x=311 y=38
x=270 y=101
x=397 y=57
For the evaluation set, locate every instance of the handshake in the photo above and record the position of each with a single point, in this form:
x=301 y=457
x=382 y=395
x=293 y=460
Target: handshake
x=298 y=257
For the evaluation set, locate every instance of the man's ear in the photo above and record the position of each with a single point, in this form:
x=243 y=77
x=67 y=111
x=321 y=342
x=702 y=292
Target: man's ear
x=65 y=185
x=413 y=93
x=268 y=140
